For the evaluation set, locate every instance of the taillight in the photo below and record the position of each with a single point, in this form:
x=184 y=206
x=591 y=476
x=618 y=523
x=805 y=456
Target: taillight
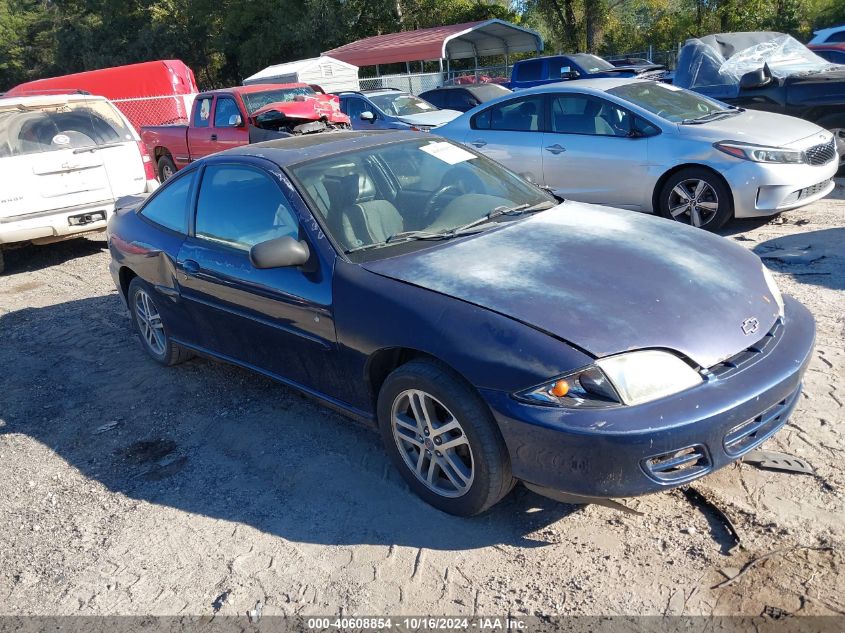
x=149 y=168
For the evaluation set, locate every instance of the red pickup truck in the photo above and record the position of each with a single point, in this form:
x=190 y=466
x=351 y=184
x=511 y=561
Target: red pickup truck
x=231 y=117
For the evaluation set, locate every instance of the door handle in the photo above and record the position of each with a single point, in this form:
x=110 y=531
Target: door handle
x=213 y=137
x=555 y=149
x=479 y=143
x=190 y=267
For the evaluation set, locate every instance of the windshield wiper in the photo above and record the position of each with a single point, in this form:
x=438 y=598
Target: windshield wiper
x=466 y=229
x=94 y=148
x=712 y=116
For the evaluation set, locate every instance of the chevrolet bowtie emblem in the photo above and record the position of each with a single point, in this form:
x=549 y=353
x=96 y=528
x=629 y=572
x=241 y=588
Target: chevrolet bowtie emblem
x=749 y=326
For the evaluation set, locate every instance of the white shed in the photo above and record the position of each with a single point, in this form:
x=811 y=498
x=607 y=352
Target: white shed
x=329 y=73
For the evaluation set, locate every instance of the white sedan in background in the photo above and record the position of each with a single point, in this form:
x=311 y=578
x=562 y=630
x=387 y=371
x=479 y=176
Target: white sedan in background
x=653 y=147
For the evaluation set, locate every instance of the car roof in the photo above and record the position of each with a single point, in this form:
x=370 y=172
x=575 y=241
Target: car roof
x=253 y=88
x=289 y=151
x=47 y=99
x=595 y=85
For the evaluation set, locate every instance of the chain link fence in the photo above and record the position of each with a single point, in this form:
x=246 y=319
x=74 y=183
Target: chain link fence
x=415 y=83
x=668 y=58
x=161 y=110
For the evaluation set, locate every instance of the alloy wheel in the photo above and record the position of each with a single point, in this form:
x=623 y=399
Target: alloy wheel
x=432 y=443
x=166 y=171
x=149 y=323
x=693 y=201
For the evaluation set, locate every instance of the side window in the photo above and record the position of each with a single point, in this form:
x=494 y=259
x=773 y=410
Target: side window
x=518 y=115
x=225 y=109
x=437 y=98
x=839 y=36
x=169 y=206
x=240 y=206
x=462 y=100
x=202 y=113
x=581 y=114
x=530 y=71
x=355 y=107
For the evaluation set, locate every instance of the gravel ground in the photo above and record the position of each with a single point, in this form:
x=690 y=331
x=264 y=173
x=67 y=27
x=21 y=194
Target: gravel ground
x=127 y=488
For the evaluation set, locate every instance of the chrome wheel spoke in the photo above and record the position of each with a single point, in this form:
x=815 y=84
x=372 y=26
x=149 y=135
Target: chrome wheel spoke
x=680 y=209
x=150 y=323
x=710 y=206
x=432 y=443
x=695 y=216
x=700 y=187
x=681 y=191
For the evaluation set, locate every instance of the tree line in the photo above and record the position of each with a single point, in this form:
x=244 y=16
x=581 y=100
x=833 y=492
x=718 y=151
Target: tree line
x=227 y=40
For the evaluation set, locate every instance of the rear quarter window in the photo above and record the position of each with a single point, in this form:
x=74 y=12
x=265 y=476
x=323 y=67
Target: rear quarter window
x=169 y=206
x=530 y=71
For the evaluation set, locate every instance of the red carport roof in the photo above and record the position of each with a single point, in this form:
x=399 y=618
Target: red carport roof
x=455 y=41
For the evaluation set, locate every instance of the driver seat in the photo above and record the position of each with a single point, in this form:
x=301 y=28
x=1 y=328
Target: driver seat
x=371 y=221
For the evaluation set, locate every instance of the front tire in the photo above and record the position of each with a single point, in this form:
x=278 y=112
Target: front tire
x=696 y=196
x=151 y=328
x=836 y=125
x=443 y=439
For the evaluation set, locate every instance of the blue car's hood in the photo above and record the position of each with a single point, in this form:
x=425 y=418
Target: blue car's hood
x=605 y=280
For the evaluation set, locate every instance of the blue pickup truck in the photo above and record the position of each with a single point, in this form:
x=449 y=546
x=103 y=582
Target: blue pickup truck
x=544 y=70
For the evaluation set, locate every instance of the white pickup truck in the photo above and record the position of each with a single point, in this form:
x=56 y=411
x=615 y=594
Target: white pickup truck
x=64 y=160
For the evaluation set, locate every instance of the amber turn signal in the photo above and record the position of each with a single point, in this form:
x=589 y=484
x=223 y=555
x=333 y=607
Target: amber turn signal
x=560 y=388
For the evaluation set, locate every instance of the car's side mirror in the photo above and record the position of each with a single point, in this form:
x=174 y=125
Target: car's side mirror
x=280 y=252
x=235 y=120
x=368 y=116
x=754 y=79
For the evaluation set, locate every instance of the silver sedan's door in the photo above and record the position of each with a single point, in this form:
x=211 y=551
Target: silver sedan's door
x=591 y=155
x=511 y=133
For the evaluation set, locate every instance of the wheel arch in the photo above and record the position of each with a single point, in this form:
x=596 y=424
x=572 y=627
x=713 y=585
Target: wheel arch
x=655 y=202
x=383 y=361
x=126 y=275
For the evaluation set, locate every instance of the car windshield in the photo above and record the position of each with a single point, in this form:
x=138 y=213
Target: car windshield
x=591 y=63
x=401 y=104
x=48 y=128
x=673 y=104
x=411 y=190
x=257 y=100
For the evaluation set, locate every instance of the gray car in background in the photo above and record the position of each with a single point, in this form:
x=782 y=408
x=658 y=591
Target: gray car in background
x=391 y=109
x=649 y=146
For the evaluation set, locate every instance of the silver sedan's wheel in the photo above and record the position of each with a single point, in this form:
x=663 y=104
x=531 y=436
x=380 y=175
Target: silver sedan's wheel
x=839 y=138
x=149 y=323
x=694 y=202
x=432 y=443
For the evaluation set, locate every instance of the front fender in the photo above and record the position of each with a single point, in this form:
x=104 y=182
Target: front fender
x=490 y=350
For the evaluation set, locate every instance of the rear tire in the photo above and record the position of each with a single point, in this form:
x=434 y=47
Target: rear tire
x=150 y=327
x=454 y=445
x=696 y=196
x=166 y=168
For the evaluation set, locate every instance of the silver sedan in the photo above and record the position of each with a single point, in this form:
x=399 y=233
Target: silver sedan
x=653 y=147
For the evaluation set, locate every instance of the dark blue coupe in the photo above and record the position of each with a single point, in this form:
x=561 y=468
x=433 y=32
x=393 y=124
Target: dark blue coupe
x=492 y=332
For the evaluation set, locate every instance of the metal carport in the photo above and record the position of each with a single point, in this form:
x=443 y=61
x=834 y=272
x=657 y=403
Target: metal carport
x=453 y=41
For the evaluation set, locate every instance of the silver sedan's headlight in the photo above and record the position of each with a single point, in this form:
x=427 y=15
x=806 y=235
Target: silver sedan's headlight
x=773 y=288
x=626 y=379
x=761 y=153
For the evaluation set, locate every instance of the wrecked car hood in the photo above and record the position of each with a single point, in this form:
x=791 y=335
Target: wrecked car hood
x=433 y=118
x=307 y=108
x=605 y=280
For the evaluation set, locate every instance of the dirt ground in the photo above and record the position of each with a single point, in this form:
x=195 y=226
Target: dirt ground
x=127 y=488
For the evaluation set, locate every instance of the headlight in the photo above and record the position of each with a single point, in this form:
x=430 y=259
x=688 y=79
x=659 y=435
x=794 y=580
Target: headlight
x=760 y=153
x=773 y=288
x=626 y=379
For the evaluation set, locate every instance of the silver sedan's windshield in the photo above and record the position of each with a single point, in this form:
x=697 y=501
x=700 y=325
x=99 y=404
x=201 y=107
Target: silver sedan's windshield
x=402 y=104
x=412 y=190
x=673 y=104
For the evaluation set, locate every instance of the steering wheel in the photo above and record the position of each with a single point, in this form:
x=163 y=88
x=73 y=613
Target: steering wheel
x=437 y=198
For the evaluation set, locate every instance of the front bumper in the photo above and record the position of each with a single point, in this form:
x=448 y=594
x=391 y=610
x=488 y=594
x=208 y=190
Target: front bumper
x=762 y=189
x=636 y=450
